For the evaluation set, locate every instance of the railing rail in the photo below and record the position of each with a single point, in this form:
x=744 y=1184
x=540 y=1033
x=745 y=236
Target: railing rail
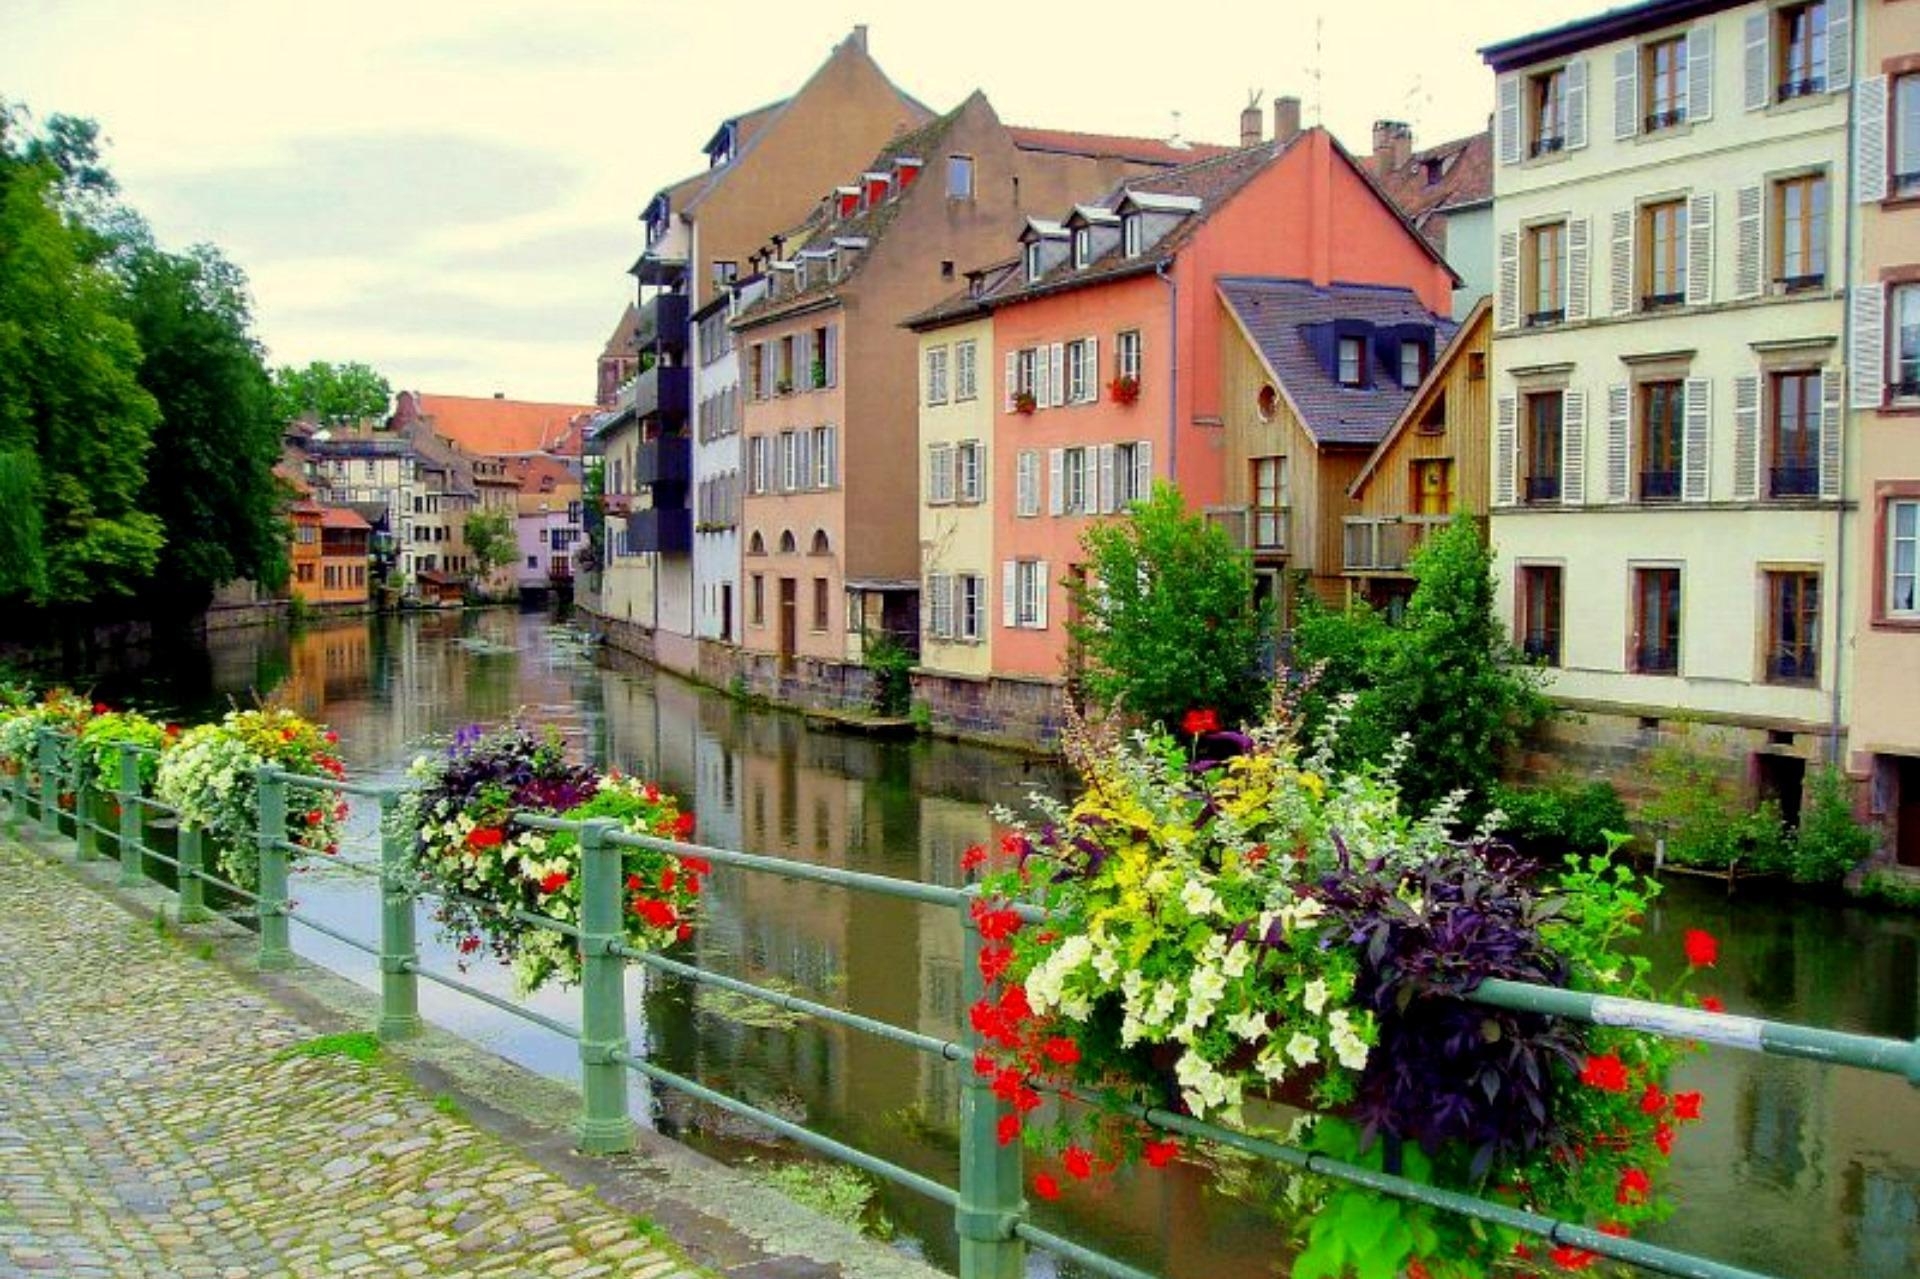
x=990 y=1212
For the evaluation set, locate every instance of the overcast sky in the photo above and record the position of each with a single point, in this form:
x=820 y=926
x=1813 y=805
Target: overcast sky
x=449 y=191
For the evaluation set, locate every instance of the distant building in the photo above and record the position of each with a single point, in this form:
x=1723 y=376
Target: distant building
x=1446 y=191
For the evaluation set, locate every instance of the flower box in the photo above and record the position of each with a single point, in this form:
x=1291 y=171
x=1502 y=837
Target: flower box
x=1023 y=402
x=1125 y=389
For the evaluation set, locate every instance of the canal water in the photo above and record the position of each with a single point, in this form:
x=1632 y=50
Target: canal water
x=1796 y=1170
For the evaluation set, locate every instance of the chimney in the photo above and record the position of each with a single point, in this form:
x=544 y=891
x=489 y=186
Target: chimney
x=1286 y=119
x=860 y=36
x=1250 y=127
x=1392 y=146
x=499 y=395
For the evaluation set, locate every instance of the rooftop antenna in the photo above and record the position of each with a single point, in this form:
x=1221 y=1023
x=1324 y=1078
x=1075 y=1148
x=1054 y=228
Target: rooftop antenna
x=1415 y=105
x=1313 y=72
x=1177 y=142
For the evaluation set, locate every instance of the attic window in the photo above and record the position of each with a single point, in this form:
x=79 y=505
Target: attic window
x=1082 y=247
x=848 y=200
x=1352 y=361
x=1434 y=420
x=1413 y=363
x=1034 y=270
x=877 y=185
x=1131 y=239
x=960 y=177
x=905 y=171
x=800 y=276
x=1436 y=168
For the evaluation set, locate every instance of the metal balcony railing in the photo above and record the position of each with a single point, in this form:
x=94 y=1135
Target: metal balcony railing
x=1793 y=479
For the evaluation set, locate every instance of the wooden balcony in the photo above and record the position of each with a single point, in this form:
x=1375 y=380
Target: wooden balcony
x=1385 y=543
x=1260 y=531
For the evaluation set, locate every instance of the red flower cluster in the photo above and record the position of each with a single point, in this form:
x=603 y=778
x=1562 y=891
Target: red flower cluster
x=1606 y=1072
x=1200 y=721
x=555 y=882
x=657 y=913
x=485 y=837
x=1703 y=949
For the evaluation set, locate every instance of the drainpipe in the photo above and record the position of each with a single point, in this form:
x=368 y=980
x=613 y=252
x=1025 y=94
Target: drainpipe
x=1173 y=364
x=1840 y=629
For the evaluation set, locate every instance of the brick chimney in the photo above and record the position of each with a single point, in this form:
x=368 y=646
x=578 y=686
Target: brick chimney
x=1392 y=145
x=1286 y=119
x=1250 y=126
x=860 y=36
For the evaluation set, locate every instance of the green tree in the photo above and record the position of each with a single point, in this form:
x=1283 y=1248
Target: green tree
x=326 y=392
x=1168 y=620
x=491 y=540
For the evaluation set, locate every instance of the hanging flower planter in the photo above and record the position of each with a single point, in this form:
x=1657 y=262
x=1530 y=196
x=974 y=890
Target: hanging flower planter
x=1023 y=402
x=1125 y=389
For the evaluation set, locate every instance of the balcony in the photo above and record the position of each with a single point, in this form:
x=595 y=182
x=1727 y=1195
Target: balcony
x=1547 y=144
x=1656 y=659
x=1541 y=489
x=1660 y=486
x=665 y=531
x=1793 y=480
x=1384 y=543
x=664 y=463
x=663 y=323
x=1788 y=90
x=1790 y=666
x=664 y=392
x=1261 y=530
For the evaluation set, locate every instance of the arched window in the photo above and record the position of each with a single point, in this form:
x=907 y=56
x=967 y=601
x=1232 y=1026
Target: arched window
x=756 y=545
x=821 y=546
x=787 y=545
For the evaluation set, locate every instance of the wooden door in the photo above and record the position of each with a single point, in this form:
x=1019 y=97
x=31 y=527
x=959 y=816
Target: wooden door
x=789 y=620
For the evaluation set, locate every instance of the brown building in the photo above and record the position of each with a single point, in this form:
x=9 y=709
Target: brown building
x=619 y=359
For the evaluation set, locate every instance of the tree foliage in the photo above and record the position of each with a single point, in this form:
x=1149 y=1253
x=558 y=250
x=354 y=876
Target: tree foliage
x=491 y=540
x=1167 y=617
x=324 y=392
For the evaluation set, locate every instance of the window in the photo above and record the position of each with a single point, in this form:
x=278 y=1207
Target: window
x=1026 y=477
x=1656 y=621
x=820 y=372
x=968 y=466
x=1352 y=361
x=1793 y=628
x=1547 y=103
x=1270 y=503
x=1540 y=606
x=1663 y=77
x=756 y=464
x=757 y=370
x=1082 y=246
x=1903 y=558
x=800 y=276
x=939 y=474
x=1030 y=594
x=1433 y=486
x=1033 y=261
x=1073 y=480
x=969 y=603
x=937 y=375
x=783 y=375
x=1026 y=372
x=1906 y=341
x=789 y=462
x=966 y=370
x=1082 y=388
x=825 y=457
x=1132 y=473
x=1546 y=273
x=819 y=603
x=757 y=600
x=1132 y=242
x=1434 y=420
x=1663 y=255
x=1543 y=447
x=1800 y=46
x=960 y=177
x=1413 y=363
x=1800 y=232
x=1793 y=435
x=1906 y=135
x=1662 y=408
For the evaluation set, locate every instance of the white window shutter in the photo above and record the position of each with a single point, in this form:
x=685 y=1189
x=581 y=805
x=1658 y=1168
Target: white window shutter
x=1754 y=38
x=1870 y=140
x=803 y=446
x=1579 y=266
x=1576 y=105
x=1506 y=446
x=1746 y=436
x=1507 y=308
x=1839 y=68
x=1620 y=264
x=831 y=355
x=1700 y=249
x=1833 y=428
x=1573 y=449
x=1747 y=242
x=1619 y=442
x=1056 y=481
x=1626 y=92
x=1700 y=72
x=1143 y=470
x=1056 y=382
x=1867 y=362
x=1093 y=370
x=958 y=622
x=1041 y=586
x=1090 y=480
x=1013 y=378
x=1696 y=440
x=1108 y=503
x=1009 y=586
x=1509 y=119
x=803 y=366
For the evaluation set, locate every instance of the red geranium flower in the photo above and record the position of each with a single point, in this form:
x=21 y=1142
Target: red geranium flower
x=1160 y=1153
x=995 y=924
x=633 y=883
x=983 y=1065
x=683 y=933
x=698 y=865
x=1008 y=1129
x=974 y=858
x=101 y=708
x=683 y=826
x=667 y=879
x=1078 y=1163
x=657 y=913
x=485 y=837
x=1663 y=1137
x=1200 y=721
x=1026 y=1099
x=1607 y=1073
x=993 y=962
x=332 y=737
x=1063 y=1050
x=555 y=882
x=1634 y=1187
x=1653 y=1101
x=1703 y=949
x=1045 y=1186
x=1567 y=1257
x=1006 y=1085
x=1686 y=1105
x=1712 y=1004
x=469 y=944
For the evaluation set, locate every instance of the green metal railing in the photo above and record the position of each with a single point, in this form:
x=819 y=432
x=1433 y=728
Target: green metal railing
x=990 y=1211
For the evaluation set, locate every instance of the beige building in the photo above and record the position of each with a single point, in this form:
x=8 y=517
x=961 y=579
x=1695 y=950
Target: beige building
x=956 y=360
x=1670 y=192
x=1884 y=737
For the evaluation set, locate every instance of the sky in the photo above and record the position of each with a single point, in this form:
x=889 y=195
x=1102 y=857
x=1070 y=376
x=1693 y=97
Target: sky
x=450 y=191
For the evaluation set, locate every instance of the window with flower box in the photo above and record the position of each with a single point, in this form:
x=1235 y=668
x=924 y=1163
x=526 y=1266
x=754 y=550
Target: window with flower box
x=1127 y=351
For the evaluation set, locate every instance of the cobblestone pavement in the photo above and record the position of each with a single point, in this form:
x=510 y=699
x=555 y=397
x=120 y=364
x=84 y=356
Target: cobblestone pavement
x=150 y=1125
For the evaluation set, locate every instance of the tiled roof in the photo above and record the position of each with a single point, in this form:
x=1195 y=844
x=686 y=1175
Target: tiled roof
x=1107 y=146
x=966 y=302
x=540 y=474
x=1443 y=360
x=493 y=427
x=1275 y=315
x=341 y=517
x=1453 y=173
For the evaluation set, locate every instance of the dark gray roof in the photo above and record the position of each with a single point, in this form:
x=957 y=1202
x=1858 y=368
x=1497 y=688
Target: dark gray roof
x=1285 y=319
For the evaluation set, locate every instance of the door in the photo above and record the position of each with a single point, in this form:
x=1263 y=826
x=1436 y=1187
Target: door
x=1907 y=813
x=789 y=620
x=726 y=612
x=1433 y=486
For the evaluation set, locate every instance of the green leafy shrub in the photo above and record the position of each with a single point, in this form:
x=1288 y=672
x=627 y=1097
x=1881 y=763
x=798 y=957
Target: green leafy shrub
x=1704 y=822
x=1561 y=816
x=1830 y=842
x=892 y=665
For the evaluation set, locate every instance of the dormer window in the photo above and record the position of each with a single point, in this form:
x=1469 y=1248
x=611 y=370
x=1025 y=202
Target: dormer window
x=1413 y=363
x=904 y=172
x=1034 y=269
x=800 y=276
x=1131 y=237
x=1352 y=352
x=876 y=185
x=1082 y=247
x=847 y=200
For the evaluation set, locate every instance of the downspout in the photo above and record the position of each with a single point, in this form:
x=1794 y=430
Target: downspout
x=1840 y=628
x=1173 y=364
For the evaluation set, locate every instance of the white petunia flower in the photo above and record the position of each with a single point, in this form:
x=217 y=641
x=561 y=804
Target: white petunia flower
x=1315 y=996
x=1303 y=1048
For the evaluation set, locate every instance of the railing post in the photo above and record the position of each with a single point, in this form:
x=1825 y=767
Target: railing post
x=605 y=1127
x=276 y=951
x=133 y=868
x=399 y=987
x=85 y=846
x=991 y=1200
x=17 y=792
x=190 y=891
x=49 y=783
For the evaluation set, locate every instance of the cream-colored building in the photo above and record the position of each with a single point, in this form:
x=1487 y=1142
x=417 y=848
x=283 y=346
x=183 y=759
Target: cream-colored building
x=956 y=520
x=1669 y=498
x=1884 y=735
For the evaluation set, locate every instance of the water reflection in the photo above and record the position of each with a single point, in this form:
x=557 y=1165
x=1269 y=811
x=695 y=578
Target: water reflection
x=1796 y=1170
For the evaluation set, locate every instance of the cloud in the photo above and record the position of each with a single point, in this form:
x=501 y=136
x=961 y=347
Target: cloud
x=368 y=193
x=451 y=312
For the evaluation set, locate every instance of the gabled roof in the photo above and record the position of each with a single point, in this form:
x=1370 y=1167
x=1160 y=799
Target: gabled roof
x=497 y=427
x=1108 y=146
x=1416 y=406
x=1274 y=315
x=540 y=473
x=1451 y=174
x=342 y=517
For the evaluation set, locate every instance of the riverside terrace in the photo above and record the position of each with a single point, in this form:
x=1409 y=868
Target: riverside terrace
x=990 y=1214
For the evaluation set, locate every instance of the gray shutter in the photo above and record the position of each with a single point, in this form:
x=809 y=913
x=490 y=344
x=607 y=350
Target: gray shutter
x=1700 y=249
x=1056 y=374
x=803 y=373
x=1506 y=444
x=1755 y=42
x=1747 y=242
x=1626 y=92
x=1746 y=436
x=1619 y=445
x=1579 y=266
x=1056 y=481
x=1696 y=440
x=1143 y=470
x=1867 y=362
x=1833 y=426
x=832 y=355
x=1013 y=378
x=1509 y=119
x=1093 y=370
x=1576 y=104
x=1044 y=585
x=1839 y=69
x=1507 y=309
x=958 y=622
x=1573 y=449
x=1700 y=72
x=1870 y=140
x=1620 y=264
x=1108 y=498
x=803 y=457
x=1009 y=607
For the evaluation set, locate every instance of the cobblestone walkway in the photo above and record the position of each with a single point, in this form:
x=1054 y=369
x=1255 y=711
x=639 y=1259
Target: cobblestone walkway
x=151 y=1126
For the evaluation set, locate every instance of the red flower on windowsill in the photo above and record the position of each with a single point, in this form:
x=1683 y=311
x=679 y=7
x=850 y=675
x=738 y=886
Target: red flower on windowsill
x=1125 y=389
x=1023 y=402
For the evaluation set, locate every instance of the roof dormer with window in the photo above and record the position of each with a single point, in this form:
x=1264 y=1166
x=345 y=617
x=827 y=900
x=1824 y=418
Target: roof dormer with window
x=1095 y=232
x=1044 y=246
x=1152 y=216
x=874 y=189
x=905 y=170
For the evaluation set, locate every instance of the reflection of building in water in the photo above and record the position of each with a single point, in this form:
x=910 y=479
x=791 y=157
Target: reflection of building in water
x=947 y=828
x=328 y=664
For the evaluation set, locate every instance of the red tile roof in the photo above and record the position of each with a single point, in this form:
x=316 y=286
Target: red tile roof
x=341 y=517
x=1431 y=181
x=540 y=474
x=492 y=428
x=1107 y=146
